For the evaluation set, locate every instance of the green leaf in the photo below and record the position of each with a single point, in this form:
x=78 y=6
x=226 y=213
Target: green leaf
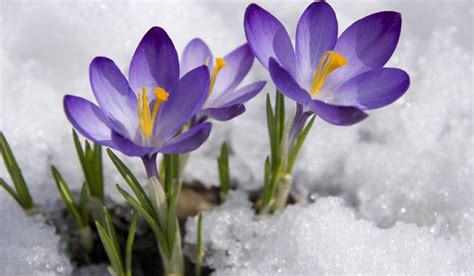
x=83 y=204
x=223 y=168
x=10 y=191
x=280 y=114
x=132 y=182
x=67 y=197
x=272 y=130
x=299 y=143
x=150 y=219
x=129 y=244
x=172 y=215
x=267 y=188
x=112 y=253
x=15 y=173
x=109 y=226
x=200 y=251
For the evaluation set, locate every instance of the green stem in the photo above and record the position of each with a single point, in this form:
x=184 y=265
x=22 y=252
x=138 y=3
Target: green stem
x=32 y=211
x=283 y=192
x=174 y=265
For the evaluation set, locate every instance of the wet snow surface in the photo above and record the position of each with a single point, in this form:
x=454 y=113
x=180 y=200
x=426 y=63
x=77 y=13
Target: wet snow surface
x=391 y=195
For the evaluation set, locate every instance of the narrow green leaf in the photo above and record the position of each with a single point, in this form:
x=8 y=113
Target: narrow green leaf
x=67 y=197
x=83 y=204
x=80 y=153
x=15 y=173
x=267 y=188
x=114 y=256
x=299 y=143
x=280 y=114
x=11 y=192
x=223 y=169
x=129 y=244
x=200 y=251
x=272 y=131
x=132 y=182
x=172 y=215
x=150 y=219
x=109 y=226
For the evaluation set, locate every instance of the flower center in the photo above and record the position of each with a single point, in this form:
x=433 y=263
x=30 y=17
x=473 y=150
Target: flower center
x=220 y=63
x=147 y=118
x=328 y=63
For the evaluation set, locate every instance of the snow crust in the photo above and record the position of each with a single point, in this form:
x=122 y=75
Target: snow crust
x=392 y=194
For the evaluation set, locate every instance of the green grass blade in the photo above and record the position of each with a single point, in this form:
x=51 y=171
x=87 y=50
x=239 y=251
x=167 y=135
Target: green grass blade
x=150 y=219
x=200 y=251
x=15 y=173
x=299 y=143
x=11 y=192
x=83 y=204
x=67 y=197
x=114 y=256
x=132 y=182
x=129 y=244
x=223 y=169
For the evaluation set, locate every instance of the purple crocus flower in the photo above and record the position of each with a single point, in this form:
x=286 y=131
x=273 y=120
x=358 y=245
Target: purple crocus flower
x=144 y=115
x=224 y=101
x=336 y=78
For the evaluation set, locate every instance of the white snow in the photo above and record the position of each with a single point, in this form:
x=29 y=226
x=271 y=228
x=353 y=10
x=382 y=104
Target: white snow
x=27 y=245
x=404 y=174
x=325 y=237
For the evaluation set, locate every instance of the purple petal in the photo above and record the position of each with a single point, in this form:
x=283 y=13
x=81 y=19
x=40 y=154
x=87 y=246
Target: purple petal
x=337 y=115
x=239 y=62
x=239 y=96
x=185 y=100
x=286 y=84
x=188 y=141
x=195 y=54
x=114 y=96
x=223 y=113
x=155 y=63
x=268 y=38
x=367 y=44
x=373 y=89
x=316 y=33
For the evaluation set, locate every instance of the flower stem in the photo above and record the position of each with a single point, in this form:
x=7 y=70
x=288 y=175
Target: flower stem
x=149 y=161
x=86 y=238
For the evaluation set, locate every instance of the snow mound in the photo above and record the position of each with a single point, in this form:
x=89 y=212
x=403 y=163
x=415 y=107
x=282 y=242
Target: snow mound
x=28 y=245
x=325 y=237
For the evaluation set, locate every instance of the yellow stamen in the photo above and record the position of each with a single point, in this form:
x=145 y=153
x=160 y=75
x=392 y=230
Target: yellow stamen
x=220 y=63
x=147 y=118
x=328 y=63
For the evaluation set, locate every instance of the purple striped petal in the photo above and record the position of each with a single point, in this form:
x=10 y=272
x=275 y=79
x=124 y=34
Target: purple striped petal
x=373 y=89
x=155 y=63
x=286 y=84
x=337 y=115
x=223 y=113
x=239 y=96
x=367 y=44
x=114 y=96
x=239 y=62
x=188 y=141
x=268 y=38
x=316 y=33
x=195 y=54
x=185 y=100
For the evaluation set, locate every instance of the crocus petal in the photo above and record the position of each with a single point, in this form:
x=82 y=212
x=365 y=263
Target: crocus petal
x=195 y=54
x=337 y=115
x=367 y=44
x=184 y=101
x=88 y=119
x=373 y=89
x=114 y=95
x=155 y=63
x=223 y=113
x=316 y=33
x=267 y=38
x=286 y=84
x=239 y=96
x=188 y=141
x=238 y=64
